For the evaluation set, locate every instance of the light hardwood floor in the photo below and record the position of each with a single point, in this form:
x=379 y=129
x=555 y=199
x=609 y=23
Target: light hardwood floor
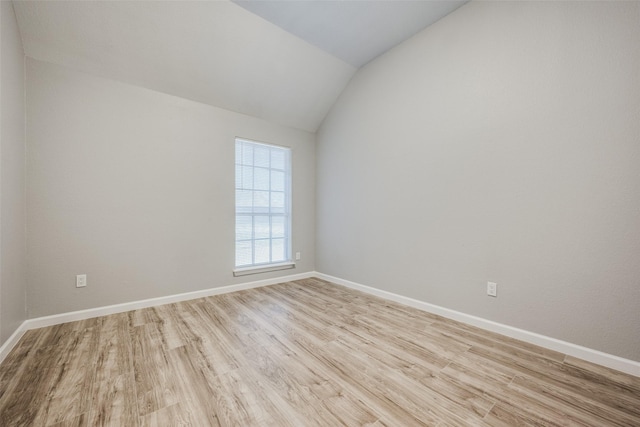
x=304 y=353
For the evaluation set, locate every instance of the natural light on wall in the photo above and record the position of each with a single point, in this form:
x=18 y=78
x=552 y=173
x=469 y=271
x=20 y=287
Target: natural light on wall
x=263 y=207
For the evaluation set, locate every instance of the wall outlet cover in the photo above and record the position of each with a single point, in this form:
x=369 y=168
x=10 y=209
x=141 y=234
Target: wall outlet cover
x=81 y=280
x=492 y=289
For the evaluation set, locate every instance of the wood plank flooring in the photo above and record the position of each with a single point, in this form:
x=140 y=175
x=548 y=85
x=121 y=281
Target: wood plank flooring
x=304 y=353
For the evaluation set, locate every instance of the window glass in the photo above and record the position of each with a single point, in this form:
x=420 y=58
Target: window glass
x=263 y=200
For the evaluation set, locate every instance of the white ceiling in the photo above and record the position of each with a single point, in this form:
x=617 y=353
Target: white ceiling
x=219 y=53
x=355 y=31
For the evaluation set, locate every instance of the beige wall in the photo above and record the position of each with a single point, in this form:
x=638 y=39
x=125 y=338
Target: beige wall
x=501 y=144
x=12 y=176
x=135 y=188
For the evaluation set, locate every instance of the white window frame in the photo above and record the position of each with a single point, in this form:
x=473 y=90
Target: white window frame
x=253 y=212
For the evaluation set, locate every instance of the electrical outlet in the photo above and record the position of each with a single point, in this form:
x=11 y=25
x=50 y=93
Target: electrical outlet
x=81 y=280
x=492 y=289
x=298 y=256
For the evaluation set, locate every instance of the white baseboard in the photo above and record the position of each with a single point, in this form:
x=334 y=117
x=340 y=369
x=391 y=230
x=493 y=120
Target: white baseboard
x=614 y=362
x=56 y=319
x=11 y=342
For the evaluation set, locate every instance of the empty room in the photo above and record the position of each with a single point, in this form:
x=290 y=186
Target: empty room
x=320 y=213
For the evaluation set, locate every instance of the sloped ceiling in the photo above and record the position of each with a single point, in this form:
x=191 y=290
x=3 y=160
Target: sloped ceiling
x=214 y=52
x=354 y=31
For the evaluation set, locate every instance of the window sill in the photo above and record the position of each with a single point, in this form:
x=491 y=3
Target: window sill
x=263 y=269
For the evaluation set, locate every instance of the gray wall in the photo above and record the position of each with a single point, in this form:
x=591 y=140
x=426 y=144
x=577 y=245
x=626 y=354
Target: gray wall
x=500 y=144
x=12 y=176
x=135 y=188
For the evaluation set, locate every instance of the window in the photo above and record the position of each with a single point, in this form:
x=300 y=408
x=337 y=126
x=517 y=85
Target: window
x=263 y=207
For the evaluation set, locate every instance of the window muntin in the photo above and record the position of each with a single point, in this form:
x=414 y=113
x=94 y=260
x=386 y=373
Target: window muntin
x=263 y=204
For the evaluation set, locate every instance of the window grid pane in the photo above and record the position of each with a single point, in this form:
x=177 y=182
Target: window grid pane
x=263 y=174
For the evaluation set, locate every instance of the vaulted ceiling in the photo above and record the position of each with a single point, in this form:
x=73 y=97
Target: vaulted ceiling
x=283 y=61
x=354 y=31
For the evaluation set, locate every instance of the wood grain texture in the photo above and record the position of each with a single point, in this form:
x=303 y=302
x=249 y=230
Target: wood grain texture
x=304 y=353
